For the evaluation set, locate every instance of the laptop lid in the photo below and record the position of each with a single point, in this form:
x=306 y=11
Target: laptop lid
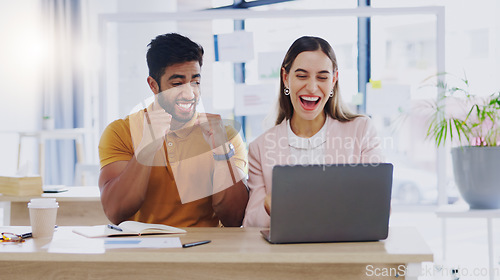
x=330 y=203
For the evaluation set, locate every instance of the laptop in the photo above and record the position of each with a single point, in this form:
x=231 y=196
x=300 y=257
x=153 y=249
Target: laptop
x=330 y=203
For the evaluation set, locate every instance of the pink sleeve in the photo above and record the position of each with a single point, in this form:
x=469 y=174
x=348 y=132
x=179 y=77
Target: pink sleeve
x=371 y=150
x=256 y=215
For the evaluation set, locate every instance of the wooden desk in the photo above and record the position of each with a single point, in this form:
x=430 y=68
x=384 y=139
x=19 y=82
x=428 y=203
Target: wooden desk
x=235 y=253
x=77 y=206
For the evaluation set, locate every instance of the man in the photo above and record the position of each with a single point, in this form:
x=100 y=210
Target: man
x=169 y=164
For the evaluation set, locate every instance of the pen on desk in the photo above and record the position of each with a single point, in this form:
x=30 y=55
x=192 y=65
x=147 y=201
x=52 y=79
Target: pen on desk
x=187 y=245
x=26 y=235
x=114 y=227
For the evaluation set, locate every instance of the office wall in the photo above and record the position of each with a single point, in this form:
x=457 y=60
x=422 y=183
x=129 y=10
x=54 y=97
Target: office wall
x=20 y=78
x=472 y=45
x=472 y=39
x=124 y=65
x=131 y=42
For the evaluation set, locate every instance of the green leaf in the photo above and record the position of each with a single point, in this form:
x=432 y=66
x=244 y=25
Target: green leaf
x=459 y=128
x=451 y=130
x=479 y=113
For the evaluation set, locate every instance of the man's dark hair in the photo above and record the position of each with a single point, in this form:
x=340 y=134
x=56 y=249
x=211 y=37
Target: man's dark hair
x=169 y=49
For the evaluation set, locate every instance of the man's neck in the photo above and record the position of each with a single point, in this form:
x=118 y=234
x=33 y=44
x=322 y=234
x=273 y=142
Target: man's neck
x=175 y=125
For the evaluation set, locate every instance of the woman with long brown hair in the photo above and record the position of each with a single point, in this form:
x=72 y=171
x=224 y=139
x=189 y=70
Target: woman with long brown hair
x=313 y=125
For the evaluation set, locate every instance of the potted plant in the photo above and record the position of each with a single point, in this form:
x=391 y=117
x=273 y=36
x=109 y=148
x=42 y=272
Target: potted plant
x=472 y=125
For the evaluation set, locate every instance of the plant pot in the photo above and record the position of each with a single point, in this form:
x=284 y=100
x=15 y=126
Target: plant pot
x=477 y=175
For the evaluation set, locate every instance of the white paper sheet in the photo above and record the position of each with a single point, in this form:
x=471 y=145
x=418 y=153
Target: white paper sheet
x=78 y=245
x=138 y=242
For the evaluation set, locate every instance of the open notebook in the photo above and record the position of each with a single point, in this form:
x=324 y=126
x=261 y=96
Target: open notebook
x=127 y=228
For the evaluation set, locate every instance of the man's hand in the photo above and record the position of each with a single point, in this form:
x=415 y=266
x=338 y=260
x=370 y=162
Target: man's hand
x=156 y=125
x=213 y=132
x=230 y=195
x=124 y=184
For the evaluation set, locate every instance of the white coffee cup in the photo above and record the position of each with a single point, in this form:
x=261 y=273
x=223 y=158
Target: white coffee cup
x=43 y=214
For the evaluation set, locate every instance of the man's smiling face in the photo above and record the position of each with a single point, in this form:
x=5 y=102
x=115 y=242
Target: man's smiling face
x=180 y=91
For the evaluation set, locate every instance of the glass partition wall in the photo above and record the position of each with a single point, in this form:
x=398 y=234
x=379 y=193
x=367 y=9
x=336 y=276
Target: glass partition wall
x=403 y=52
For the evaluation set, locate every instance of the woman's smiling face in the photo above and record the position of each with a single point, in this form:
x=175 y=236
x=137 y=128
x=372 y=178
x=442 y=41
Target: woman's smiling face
x=310 y=80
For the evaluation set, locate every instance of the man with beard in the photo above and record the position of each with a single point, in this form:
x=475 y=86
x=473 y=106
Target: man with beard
x=169 y=164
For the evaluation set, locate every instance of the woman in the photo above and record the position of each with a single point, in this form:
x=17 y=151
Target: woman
x=313 y=125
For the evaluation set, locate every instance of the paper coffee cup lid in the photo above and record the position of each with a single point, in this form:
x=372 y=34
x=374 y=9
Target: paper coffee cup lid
x=43 y=203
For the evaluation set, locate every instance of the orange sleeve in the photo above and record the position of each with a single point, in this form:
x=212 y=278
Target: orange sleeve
x=116 y=143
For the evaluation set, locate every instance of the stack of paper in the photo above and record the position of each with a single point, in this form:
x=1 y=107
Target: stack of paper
x=21 y=185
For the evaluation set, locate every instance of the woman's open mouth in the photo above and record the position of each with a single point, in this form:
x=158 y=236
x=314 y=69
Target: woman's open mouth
x=309 y=102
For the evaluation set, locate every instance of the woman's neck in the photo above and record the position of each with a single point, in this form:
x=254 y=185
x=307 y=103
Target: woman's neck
x=307 y=128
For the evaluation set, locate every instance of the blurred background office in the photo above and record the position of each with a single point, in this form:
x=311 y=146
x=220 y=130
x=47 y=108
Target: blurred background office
x=70 y=67
x=80 y=64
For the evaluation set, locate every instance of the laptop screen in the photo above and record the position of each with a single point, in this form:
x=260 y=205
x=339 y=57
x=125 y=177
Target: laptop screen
x=330 y=203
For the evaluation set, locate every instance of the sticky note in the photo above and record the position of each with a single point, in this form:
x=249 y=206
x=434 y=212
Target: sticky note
x=376 y=84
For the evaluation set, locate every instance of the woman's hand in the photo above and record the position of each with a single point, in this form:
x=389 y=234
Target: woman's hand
x=267 y=204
